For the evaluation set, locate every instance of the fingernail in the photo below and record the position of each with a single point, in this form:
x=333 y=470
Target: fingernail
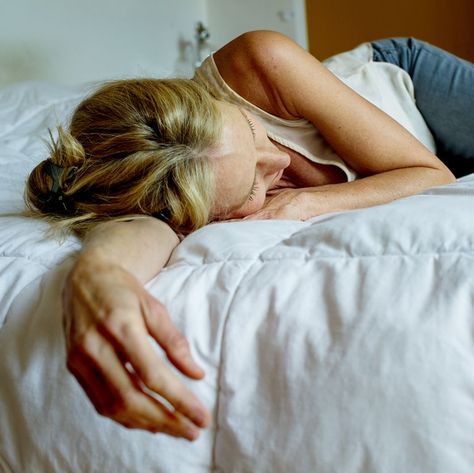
x=200 y=416
x=192 y=434
x=198 y=368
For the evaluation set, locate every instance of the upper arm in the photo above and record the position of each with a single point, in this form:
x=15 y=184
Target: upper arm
x=288 y=81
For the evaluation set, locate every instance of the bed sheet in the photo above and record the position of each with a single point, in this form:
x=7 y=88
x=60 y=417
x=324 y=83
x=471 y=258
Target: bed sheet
x=344 y=343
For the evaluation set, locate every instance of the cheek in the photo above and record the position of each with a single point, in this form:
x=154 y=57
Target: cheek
x=252 y=206
x=256 y=204
x=249 y=208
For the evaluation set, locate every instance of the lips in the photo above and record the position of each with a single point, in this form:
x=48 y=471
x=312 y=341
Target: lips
x=277 y=177
x=275 y=180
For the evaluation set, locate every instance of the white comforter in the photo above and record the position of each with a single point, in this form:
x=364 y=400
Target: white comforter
x=343 y=344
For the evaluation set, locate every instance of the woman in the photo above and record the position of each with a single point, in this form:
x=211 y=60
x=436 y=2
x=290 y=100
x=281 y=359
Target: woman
x=147 y=161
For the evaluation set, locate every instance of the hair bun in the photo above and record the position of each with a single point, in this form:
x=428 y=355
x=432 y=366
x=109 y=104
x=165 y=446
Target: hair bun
x=66 y=151
x=55 y=201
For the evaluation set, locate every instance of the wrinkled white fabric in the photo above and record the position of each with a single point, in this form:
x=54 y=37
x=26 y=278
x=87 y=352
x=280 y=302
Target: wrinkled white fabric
x=341 y=344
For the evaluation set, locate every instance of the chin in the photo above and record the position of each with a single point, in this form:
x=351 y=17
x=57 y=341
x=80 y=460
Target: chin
x=258 y=204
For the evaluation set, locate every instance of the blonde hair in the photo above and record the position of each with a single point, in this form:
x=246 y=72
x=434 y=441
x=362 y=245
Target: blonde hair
x=133 y=147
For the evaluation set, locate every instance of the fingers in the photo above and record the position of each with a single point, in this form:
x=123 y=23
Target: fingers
x=282 y=212
x=176 y=347
x=175 y=344
x=107 y=323
x=116 y=394
x=261 y=215
x=134 y=346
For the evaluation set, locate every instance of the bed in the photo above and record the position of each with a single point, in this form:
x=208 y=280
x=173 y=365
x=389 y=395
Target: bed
x=341 y=344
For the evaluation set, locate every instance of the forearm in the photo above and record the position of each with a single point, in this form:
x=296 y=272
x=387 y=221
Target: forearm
x=142 y=246
x=373 y=190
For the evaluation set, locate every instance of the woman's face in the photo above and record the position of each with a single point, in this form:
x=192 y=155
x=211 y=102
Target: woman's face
x=246 y=164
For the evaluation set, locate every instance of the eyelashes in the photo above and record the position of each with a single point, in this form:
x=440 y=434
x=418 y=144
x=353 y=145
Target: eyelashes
x=253 y=192
x=250 y=122
x=252 y=126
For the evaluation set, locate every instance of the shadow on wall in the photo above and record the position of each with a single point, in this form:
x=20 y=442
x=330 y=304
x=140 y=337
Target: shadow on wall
x=184 y=66
x=27 y=61
x=19 y=62
x=192 y=53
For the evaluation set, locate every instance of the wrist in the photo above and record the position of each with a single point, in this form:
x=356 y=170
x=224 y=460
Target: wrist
x=323 y=200
x=93 y=256
x=140 y=246
x=312 y=204
x=90 y=262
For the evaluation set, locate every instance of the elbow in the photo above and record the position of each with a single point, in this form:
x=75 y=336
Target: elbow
x=446 y=176
x=439 y=174
x=436 y=177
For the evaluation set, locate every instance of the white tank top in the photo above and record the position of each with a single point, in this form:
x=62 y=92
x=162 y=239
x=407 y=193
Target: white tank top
x=385 y=85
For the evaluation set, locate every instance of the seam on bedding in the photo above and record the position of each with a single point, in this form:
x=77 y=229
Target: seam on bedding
x=18 y=293
x=214 y=466
x=31 y=260
x=307 y=257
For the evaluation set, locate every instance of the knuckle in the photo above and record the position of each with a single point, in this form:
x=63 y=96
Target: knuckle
x=119 y=407
x=127 y=399
x=83 y=343
x=158 y=306
x=128 y=424
x=103 y=409
x=113 y=410
x=167 y=424
x=161 y=427
x=173 y=430
x=180 y=428
x=179 y=404
x=178 y=342
x=152 y=380
x=117 y=324
x=157 y=312
x=155 y=429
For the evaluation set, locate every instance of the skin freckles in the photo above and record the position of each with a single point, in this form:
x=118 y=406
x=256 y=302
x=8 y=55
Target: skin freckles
x=246 y=164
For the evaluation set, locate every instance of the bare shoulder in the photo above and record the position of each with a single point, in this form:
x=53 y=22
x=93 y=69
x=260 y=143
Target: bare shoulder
x=252 y=65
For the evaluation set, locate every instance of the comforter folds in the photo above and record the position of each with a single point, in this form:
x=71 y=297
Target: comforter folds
x=340 y=344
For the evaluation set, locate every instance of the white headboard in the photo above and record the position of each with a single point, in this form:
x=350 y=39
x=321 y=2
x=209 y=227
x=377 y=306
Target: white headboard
x=71 y=42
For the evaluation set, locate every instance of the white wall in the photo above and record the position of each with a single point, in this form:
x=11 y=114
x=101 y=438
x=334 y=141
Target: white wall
x=229 y=18
x=72 y=41
x=76 y=41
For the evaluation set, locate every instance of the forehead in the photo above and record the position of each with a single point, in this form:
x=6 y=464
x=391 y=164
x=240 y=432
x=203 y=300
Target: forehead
x=233 y=160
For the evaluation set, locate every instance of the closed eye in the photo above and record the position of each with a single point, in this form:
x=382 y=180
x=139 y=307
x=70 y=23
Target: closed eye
x=252 y=126
x=254 y=190
x=250 y=123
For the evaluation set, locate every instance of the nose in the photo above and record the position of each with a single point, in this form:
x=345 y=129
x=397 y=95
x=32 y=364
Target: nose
x=274 y=159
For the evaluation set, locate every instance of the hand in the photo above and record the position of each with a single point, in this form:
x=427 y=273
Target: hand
x=284 y=204
x=108 y=317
